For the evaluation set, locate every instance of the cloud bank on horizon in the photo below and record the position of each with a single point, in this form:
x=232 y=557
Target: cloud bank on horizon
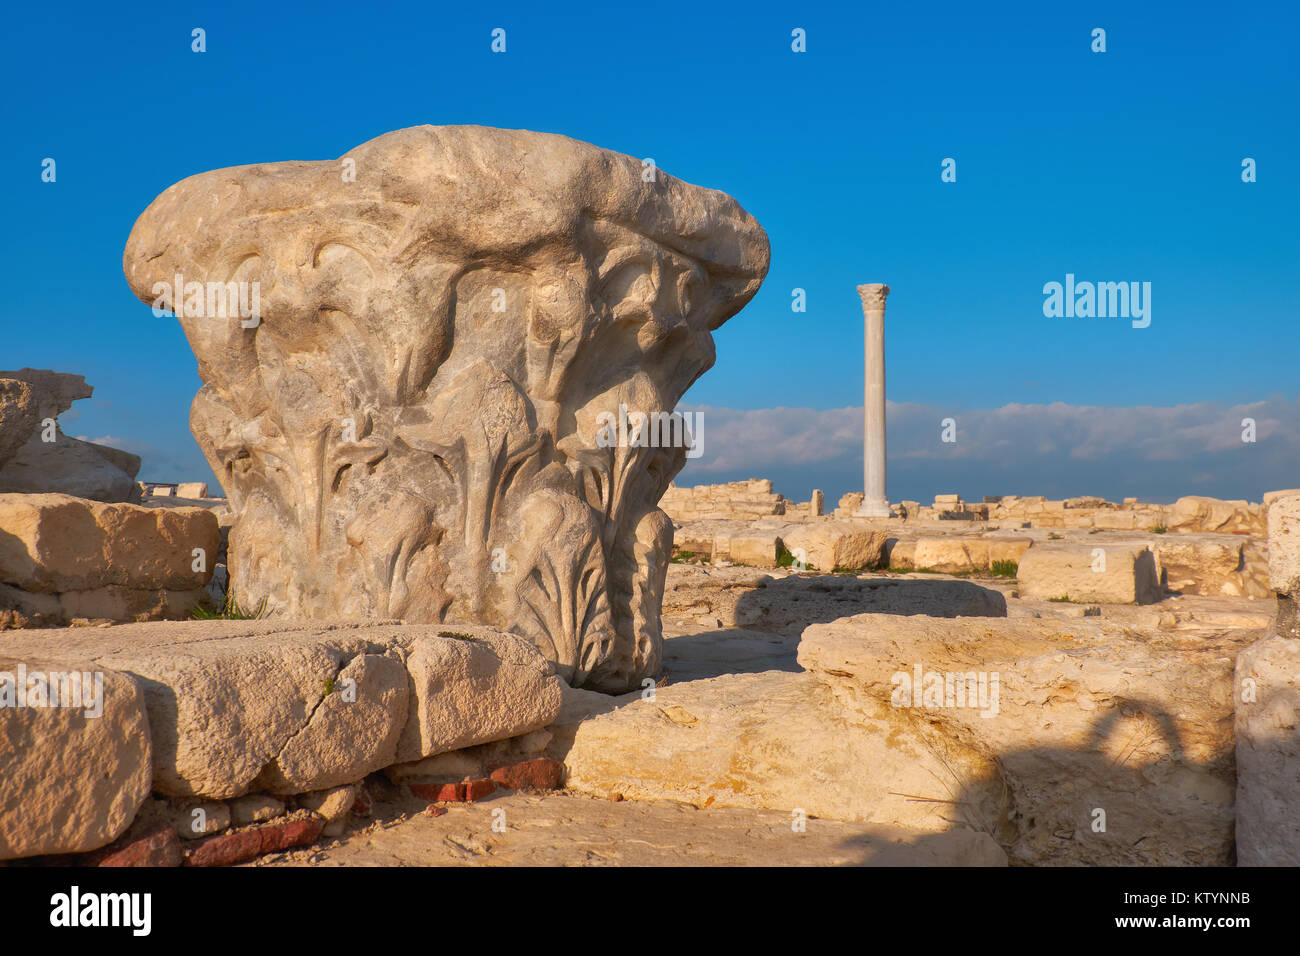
x=1156 y=453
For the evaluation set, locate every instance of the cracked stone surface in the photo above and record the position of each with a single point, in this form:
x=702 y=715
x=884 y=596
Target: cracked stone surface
x=235 y=706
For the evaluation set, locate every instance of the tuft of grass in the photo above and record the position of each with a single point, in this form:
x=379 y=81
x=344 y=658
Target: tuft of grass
x=1064 y=599
x=1159 y=529
x=1005 y=569
x=686 y=557
x=230 y=611
x=1053 y=536
x=457 y=635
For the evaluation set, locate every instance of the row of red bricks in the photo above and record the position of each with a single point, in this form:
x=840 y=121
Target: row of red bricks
x=540 y=773
x=160 y=846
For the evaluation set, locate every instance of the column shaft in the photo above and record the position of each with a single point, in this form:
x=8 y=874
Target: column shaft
x=874 y=502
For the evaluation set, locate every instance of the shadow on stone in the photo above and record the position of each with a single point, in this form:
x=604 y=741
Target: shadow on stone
x=788 y=605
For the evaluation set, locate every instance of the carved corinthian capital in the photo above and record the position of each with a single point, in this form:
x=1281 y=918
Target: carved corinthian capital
x=407 y=428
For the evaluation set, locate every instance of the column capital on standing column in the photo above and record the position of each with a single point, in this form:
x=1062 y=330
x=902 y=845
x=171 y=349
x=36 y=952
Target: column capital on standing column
x=873 y=296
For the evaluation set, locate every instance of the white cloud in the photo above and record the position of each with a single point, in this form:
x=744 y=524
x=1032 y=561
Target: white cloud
x=1200 y=441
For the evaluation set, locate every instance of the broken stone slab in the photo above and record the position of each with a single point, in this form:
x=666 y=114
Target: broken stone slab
x=353 y=731
x=1111 y=573
x=778 y=741
x=471 y=685
x=236 y=705
x=1202 y=513
x=54 y=391
x=1078 y=715
x=55 y=543
x=71 y=777
x=62 y=464
x=836 y=545
x=1267 y=695
x=1201 y=564
x=18 y=416
x=419 y=424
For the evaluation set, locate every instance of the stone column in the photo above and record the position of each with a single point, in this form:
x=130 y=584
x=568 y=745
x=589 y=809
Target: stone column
x=874 y=502
x=1266 y=697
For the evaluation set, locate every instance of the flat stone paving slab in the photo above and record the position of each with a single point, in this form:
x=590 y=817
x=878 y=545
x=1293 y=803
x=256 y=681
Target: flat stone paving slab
x=566 y=830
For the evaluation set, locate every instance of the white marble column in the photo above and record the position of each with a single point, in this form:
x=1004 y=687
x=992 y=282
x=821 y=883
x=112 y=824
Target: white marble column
x=874 y=502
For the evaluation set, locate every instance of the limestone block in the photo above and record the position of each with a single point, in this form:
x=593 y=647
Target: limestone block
x=834 y=545
x=950 y=553
x=1267 y=695
x=1201 y=513
x=902 y=554
x=56 y=543
x=1113 y=573
x=1078 y=715
x=70 y=466
x=239 y=706
x=417 y=423
x=850 y=502
x=19 y=608
x=756 y=550
x=1201 y=565
x=71 y=777
x=1114 y=521
x=1007 y=549
x=470 y=685
x=192 y=489
x=779 y=741
x=1284 y=544
x=353 y=732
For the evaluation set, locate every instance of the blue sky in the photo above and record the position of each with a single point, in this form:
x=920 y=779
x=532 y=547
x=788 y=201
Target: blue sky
x=1115 y=166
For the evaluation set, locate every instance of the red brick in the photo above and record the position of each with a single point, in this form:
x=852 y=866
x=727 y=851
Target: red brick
x=226 y=849
x=290 y=833
x=478 y=789
x=240 y=846
x=439 y=792
x=157 y=846
x=541 y=773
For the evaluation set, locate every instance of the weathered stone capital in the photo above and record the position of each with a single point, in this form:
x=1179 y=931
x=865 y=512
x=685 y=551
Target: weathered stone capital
x=873 y=296
x=423 y=390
